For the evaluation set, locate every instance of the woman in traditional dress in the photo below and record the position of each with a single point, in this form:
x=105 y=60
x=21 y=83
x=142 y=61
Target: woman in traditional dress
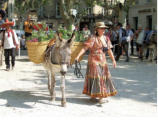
x=98 y=83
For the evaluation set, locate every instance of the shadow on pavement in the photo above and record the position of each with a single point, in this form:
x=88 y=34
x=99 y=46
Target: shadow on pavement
x=136 y=81
x=23 y=60
x=133 y=80
x=19 y=99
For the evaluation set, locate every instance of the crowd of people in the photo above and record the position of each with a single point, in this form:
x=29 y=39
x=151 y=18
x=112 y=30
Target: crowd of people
x=141 y=42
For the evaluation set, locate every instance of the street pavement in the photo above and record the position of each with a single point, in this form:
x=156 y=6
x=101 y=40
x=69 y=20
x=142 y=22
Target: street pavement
x=23 y=91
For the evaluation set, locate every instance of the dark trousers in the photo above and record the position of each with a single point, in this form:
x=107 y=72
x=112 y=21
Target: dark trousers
x=147 y=53
x=132 y=47
x=124 y=46
x=7 y=53
x=27 y=34
x=115 y=47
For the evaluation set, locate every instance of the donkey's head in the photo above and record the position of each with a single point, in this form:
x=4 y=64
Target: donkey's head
x=61 y=53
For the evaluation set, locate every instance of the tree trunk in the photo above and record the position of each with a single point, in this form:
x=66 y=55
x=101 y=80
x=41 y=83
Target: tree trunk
x=65 y=7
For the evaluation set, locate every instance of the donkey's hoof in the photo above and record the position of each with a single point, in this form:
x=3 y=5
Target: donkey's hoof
x=63 y=104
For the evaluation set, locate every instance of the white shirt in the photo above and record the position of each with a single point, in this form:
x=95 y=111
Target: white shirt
x=120 y=31
x=8 y=42
x=86 y=33
x=23 y=42
x=140 y=38
x=129 y=35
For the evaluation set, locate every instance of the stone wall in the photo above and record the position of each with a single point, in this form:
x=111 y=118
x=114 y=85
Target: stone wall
x=142 y=10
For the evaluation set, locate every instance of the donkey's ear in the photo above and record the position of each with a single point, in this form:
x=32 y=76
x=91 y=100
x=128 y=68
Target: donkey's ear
x=72 y=37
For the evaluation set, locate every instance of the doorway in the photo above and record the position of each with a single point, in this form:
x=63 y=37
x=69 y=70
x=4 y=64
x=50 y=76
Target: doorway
x=135 y=20
x=149 y=22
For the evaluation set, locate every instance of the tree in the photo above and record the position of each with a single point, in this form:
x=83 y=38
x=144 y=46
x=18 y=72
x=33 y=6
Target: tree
x=127 y=4
x=68 y=5
x=4 y=5
x=23 y=7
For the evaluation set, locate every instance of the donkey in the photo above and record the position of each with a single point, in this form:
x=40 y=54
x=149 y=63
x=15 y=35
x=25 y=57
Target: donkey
x=56 y=59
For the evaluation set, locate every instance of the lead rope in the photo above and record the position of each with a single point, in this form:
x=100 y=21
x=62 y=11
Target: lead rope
x=77 y=70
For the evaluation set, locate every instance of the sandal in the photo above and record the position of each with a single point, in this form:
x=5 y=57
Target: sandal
x=93 y=100
x=102 y=101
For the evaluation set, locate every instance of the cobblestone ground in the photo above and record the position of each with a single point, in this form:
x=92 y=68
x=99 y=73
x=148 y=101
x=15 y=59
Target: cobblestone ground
x=23 y=92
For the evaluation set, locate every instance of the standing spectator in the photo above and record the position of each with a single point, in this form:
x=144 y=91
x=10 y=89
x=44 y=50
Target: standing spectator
x=23 y=46
x=135 y=36
x=148 y=34
x=123 y=44
x=114 y=39
x=86 y=32
x=129 y=35
x=139 y=41
x=2 y=15
x=132 y=43
x=28 y=27
x=98 y=82
x=11 y=43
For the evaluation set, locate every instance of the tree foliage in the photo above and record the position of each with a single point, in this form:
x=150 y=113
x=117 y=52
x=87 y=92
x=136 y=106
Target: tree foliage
x=22 y=7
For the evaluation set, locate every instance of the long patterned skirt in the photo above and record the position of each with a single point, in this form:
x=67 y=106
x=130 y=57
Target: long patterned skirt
x=98 y=81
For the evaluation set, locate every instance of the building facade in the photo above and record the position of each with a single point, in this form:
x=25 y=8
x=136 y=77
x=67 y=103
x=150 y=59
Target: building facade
x=143 y=14
x=52 y=15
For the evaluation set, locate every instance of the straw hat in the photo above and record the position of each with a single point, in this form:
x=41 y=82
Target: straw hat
x=100 y=25
x=6 y=24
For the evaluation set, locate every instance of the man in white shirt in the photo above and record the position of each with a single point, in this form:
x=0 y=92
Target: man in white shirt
x=10 y=44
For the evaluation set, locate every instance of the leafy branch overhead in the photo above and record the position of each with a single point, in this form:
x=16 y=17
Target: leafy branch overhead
x=22 y=7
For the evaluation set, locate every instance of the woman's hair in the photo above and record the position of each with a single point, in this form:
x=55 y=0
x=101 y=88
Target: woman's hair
x=96 y=33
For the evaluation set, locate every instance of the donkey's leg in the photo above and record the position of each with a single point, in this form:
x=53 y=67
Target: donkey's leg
x=52 y=87
x=63 y=100
x=1 y=56
x=49 y=82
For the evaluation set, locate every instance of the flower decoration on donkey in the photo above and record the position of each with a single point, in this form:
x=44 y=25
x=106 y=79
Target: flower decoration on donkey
x=41 y=33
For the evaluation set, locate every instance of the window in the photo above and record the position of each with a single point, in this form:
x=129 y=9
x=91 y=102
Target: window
x=41 y=11
x=148 y=1
x=88 y=11
x=58 y=9
x=135 y=21
x=137 y=2
x=149 y=21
